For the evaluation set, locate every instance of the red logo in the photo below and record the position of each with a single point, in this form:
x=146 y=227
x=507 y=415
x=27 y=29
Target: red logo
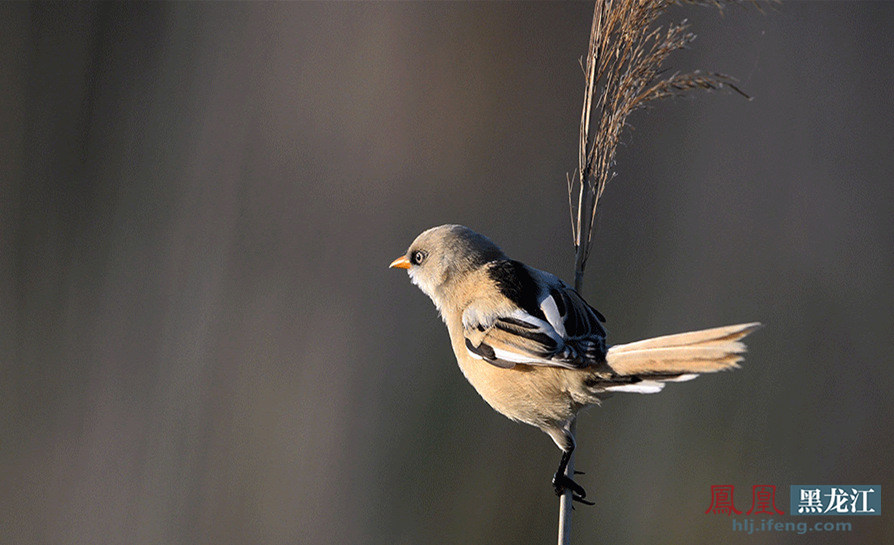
x=722 y=500
x=763 y=500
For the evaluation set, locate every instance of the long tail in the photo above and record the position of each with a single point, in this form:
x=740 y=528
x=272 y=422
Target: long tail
x=647 y=365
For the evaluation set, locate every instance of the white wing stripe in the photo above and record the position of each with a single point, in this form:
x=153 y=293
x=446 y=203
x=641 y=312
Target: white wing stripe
x=523 y=316
x=474 y=355
x=644 y=387
x=517 y=357
x=551 y=311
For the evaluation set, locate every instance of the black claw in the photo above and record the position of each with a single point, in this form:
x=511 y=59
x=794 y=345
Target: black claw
x=576 y=472
x=561 y=483
x=581 y=500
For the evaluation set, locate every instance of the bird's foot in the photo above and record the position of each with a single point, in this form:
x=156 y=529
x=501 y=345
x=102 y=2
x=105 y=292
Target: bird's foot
x=562 y=483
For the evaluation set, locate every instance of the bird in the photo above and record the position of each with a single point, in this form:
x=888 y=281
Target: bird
x=535 y=350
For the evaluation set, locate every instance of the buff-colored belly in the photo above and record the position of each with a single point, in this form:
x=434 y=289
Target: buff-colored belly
x=536 y=395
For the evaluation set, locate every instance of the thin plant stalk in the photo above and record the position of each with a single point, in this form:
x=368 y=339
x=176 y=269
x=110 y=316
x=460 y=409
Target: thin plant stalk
x=625 y=56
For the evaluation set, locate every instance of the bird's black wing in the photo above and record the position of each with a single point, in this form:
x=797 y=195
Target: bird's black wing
x=544 y=323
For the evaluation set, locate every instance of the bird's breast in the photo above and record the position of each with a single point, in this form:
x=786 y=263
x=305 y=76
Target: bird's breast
x=536 y=395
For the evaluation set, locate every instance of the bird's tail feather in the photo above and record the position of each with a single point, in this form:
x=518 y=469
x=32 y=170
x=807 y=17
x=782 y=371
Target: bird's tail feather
x=675 y=358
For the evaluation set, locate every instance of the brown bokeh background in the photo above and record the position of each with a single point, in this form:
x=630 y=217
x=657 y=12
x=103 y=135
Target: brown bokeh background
x=200 y=341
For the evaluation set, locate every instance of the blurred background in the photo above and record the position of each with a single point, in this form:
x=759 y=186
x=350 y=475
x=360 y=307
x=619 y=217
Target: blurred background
x=201 y=342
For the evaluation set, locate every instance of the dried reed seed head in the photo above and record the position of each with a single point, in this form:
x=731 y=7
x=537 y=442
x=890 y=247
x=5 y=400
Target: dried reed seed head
x=625 y=57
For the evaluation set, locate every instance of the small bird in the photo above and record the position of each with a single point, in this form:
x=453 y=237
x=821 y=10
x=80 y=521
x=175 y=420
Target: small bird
x=534 y=349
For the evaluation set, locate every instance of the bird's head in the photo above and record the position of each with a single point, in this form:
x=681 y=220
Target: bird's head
x=443 y=255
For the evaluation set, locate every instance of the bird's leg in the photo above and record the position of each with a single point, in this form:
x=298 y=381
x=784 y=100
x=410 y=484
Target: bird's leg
x=562 y=482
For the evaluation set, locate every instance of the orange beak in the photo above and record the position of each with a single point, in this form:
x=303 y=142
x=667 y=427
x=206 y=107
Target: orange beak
x=400 y=263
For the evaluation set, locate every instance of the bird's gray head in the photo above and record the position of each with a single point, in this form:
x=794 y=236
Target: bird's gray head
x=442 y=254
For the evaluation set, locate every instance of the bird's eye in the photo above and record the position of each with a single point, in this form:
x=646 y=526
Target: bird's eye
x=417 y=257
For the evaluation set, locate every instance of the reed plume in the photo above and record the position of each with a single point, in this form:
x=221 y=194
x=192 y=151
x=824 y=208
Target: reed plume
x=624 y=60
